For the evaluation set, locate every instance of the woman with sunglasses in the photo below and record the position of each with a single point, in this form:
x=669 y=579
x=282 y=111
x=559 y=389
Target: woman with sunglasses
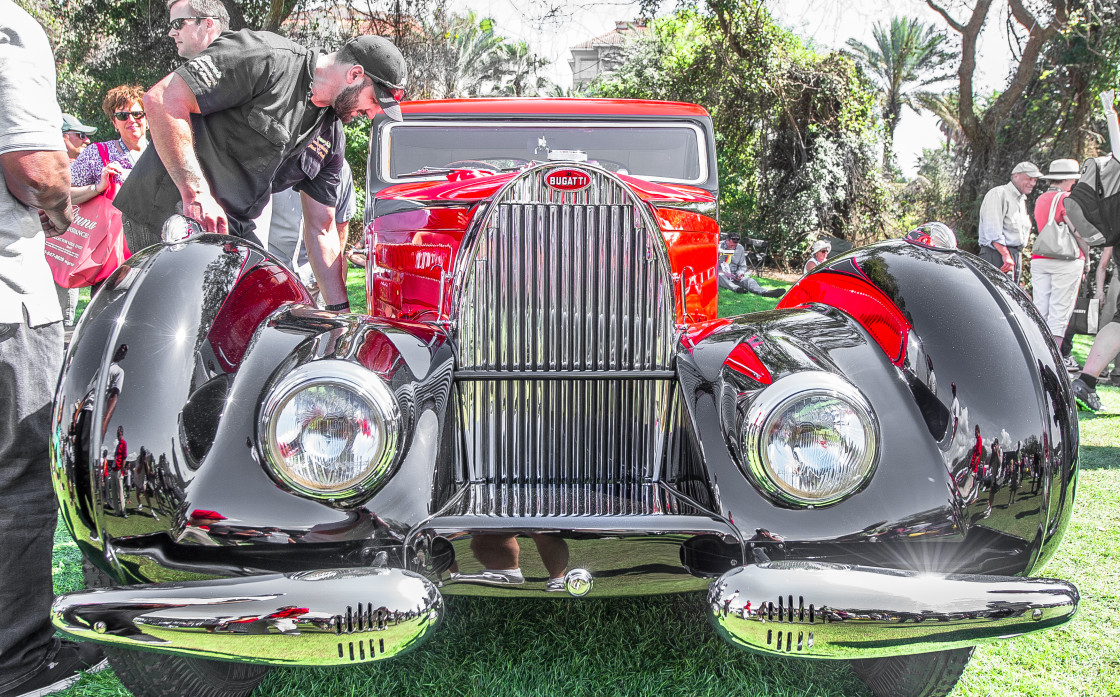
x=90 y=175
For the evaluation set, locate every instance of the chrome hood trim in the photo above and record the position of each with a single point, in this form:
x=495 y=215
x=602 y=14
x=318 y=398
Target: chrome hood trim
x=825 y=610
x=310 y=618
x=549 y=280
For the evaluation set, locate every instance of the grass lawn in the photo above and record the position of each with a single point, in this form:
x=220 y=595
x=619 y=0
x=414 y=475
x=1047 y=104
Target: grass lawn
x=663 y=646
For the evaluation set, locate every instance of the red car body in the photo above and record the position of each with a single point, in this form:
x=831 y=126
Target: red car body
x=409 y=248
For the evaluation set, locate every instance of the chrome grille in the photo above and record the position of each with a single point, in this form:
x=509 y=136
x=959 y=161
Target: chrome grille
x=566 y=447
x=564 y=314
x=550 y=283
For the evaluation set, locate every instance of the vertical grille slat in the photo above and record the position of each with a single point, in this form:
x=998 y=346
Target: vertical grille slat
x=541 y=469
x=554 y=282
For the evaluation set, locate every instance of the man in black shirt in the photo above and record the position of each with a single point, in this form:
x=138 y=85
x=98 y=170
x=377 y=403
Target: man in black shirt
x=224 y=123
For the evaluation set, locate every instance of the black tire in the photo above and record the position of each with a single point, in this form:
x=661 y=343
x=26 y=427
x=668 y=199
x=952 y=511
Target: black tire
x=918 y=675
x=157 y=675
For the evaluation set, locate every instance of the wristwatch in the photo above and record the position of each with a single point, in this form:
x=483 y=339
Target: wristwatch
x=339 y=307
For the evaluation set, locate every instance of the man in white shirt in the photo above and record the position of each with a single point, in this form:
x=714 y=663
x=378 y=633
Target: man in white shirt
x=1005 y=224
x=34 y=199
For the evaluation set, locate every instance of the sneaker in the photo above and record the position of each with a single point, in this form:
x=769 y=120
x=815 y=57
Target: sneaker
x=773 y=293
x=1071 y=365
x=554 y=585
x=65 y=669
x=1086 y=396
x=507 y=577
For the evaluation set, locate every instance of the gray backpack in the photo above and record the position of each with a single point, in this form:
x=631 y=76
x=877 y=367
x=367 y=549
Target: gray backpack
x=1093 y=206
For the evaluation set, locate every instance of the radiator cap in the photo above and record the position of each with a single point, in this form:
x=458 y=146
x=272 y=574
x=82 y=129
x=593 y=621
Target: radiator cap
x=578 y=582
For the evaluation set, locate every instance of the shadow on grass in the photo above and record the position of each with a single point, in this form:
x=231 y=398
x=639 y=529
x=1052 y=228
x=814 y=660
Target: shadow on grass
x=629 y=646
x=1100 y=457
x=732 y=304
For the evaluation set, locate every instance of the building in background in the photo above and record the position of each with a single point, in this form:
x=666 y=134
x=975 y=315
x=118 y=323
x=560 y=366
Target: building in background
x=601 y=54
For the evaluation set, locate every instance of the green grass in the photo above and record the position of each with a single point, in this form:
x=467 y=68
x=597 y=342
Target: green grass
x=662 y=645
x=356 y=288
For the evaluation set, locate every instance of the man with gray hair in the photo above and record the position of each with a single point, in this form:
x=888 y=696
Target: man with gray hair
x=1005 y=224
x=195 y=24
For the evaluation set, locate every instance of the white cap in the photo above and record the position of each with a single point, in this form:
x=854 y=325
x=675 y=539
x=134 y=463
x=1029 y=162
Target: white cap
x=1027 y=168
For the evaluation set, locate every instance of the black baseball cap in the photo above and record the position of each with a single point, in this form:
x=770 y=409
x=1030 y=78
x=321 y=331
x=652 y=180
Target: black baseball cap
x=385 y=65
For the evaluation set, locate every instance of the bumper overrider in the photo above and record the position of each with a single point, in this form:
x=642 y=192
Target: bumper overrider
x=310 y=618
x=348 y=616
x=826 y=610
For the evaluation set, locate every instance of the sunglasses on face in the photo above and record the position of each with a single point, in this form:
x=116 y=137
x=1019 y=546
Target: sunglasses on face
x=123 y=115
x=395 y=91
x=178 y=22
x=78 y=135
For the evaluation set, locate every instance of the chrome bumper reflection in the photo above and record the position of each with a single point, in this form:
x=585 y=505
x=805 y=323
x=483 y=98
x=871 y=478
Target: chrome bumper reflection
x=310 y=618
x=822 y=610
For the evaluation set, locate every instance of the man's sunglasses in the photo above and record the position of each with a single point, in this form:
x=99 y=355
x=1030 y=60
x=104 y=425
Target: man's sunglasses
x=178 y=22
x=395 y=91
x=123 y=115
x=81 y=136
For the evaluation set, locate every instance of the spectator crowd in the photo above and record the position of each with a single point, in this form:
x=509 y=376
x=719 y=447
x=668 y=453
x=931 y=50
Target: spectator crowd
x=1068 y=217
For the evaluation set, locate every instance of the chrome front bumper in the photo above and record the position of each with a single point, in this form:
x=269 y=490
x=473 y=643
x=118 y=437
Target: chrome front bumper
x=310 y=618
x=824 y=610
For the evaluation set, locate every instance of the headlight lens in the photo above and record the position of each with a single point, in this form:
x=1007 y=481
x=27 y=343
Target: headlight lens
x=810 y=439
x=331 y=429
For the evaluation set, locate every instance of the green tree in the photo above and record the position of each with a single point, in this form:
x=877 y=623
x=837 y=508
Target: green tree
x=907 y=57
x=516 y=71
x=1067 y=51
x=472 y=56
x=945 y=108
x=795 y=135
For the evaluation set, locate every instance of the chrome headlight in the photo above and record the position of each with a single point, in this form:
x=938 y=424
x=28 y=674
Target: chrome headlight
x=330 y=430
x=810 y=439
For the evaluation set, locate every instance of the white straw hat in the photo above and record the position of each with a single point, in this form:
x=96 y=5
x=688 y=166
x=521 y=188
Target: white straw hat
x=1061 y=170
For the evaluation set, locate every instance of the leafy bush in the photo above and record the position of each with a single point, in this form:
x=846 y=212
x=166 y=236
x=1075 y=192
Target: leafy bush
x=796 y=134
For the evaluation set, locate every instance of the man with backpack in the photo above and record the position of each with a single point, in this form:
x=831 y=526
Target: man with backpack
x=1095 y=205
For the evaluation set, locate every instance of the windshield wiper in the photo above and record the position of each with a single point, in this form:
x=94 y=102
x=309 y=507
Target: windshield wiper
x=426 y=172
x=433 y=171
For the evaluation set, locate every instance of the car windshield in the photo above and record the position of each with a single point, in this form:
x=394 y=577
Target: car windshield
x=662 y=152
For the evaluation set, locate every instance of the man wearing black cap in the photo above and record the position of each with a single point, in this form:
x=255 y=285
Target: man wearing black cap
x=226 y=121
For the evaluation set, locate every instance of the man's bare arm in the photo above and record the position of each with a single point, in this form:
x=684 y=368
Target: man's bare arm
x=1102 y=271
x=41 y=179
x=1108 y=102
x=324 y=250
x=169 y=105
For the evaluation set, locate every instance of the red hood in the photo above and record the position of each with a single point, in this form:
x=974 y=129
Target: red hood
x=484 y=186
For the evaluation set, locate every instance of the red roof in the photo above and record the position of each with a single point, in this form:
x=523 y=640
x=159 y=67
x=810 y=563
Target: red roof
x=615 y=36
x=529 y=106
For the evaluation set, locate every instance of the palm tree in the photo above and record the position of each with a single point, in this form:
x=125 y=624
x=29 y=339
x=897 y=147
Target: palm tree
x=946 y=107
x=906 y=57
x=472 y=50
x=516 y=69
